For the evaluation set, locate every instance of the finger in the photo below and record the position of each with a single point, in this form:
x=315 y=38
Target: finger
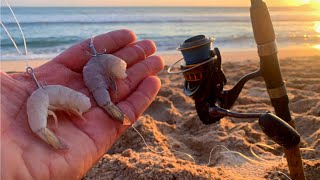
x=136 y=51
x=104 y=131
x=100 y=128
x=136 y=74
x=76 y=56
x=135 y=104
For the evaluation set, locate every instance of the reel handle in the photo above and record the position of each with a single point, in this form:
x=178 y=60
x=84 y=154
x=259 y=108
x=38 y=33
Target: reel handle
x=279 y=131
x=274 y=127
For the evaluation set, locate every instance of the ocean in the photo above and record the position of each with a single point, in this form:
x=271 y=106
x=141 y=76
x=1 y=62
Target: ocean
x=50 y=30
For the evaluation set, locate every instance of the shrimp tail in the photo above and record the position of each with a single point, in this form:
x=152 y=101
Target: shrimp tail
x=46 y=135
x=103 y=99
x=100 y=75
x=44 y=101
x=116 y=113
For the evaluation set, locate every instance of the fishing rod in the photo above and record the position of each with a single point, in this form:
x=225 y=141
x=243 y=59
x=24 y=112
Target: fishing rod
x=270 y=70
x=205 y=80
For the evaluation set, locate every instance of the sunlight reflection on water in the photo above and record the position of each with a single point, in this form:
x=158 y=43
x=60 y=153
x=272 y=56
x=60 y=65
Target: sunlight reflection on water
x=317 y=27
x=317 y=46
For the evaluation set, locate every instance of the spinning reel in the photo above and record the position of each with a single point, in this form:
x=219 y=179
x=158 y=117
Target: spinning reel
x=204 y=82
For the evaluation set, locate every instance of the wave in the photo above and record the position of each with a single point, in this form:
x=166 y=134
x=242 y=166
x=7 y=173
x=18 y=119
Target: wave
x=154 y=19
x=54 y=45
x=52 y=30
x=41 y=42
x=164 y=40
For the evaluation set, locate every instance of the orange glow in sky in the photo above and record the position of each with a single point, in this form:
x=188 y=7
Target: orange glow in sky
x=245 y=3
x=313 y=3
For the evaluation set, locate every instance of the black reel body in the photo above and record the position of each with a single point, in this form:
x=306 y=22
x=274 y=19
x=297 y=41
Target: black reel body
x=205 y=85
x=205 y=81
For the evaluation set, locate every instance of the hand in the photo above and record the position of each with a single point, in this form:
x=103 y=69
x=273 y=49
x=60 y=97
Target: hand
x=25 y=156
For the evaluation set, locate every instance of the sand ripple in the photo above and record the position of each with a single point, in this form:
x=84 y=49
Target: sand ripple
x=171 y=124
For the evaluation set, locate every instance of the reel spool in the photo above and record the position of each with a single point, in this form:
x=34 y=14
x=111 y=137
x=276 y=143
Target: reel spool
x=204 y=78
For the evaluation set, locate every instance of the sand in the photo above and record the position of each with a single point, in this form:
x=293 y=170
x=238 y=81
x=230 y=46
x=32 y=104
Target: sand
x=171 y=57
x=171 y=125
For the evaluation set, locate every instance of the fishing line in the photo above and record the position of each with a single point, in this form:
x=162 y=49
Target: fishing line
x=143 y=139
x=260 y=161
x=142 y=50
x=161 y=152
x=31 y=73
x=259 y=157
x=210 y=155
x=8 y=33
x=255 y=161
x=94 y=20
x=309 y=149
x=282 y=156
x=231 y=152
x=284 y=174
x=244 y=156
x=209 y=161
x=29 y=69
x=22 y=34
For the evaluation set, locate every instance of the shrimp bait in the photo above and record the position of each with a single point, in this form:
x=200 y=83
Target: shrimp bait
x=99 y=76
x=44 y=101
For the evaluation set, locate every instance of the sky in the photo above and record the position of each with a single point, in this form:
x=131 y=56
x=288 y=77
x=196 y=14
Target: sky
x=151 y=2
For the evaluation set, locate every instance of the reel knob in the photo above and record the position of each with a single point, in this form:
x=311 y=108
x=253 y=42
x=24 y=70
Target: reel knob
x=279 y=131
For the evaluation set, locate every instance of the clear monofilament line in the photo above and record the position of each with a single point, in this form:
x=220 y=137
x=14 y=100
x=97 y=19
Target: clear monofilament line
x=29 y=69
x=160 y=152
x=209 y=161
x=157 y=152
x=22 y=34
x=9 y=35
x=260 y=158
x=284 y=174
x=253 y=161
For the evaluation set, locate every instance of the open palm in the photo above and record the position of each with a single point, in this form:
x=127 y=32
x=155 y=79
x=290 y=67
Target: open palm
x=26 y=156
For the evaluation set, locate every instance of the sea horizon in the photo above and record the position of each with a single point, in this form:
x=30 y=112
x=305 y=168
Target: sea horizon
x=304 y=6
x=50 y=30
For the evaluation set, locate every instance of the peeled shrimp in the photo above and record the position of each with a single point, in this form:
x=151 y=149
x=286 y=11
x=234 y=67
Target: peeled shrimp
x=44 y=101
x=99 y=76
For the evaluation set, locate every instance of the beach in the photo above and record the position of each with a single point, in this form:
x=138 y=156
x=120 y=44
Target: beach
x=181 y=144
x=172 y=128
x=172 y=56
x=168 y=141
